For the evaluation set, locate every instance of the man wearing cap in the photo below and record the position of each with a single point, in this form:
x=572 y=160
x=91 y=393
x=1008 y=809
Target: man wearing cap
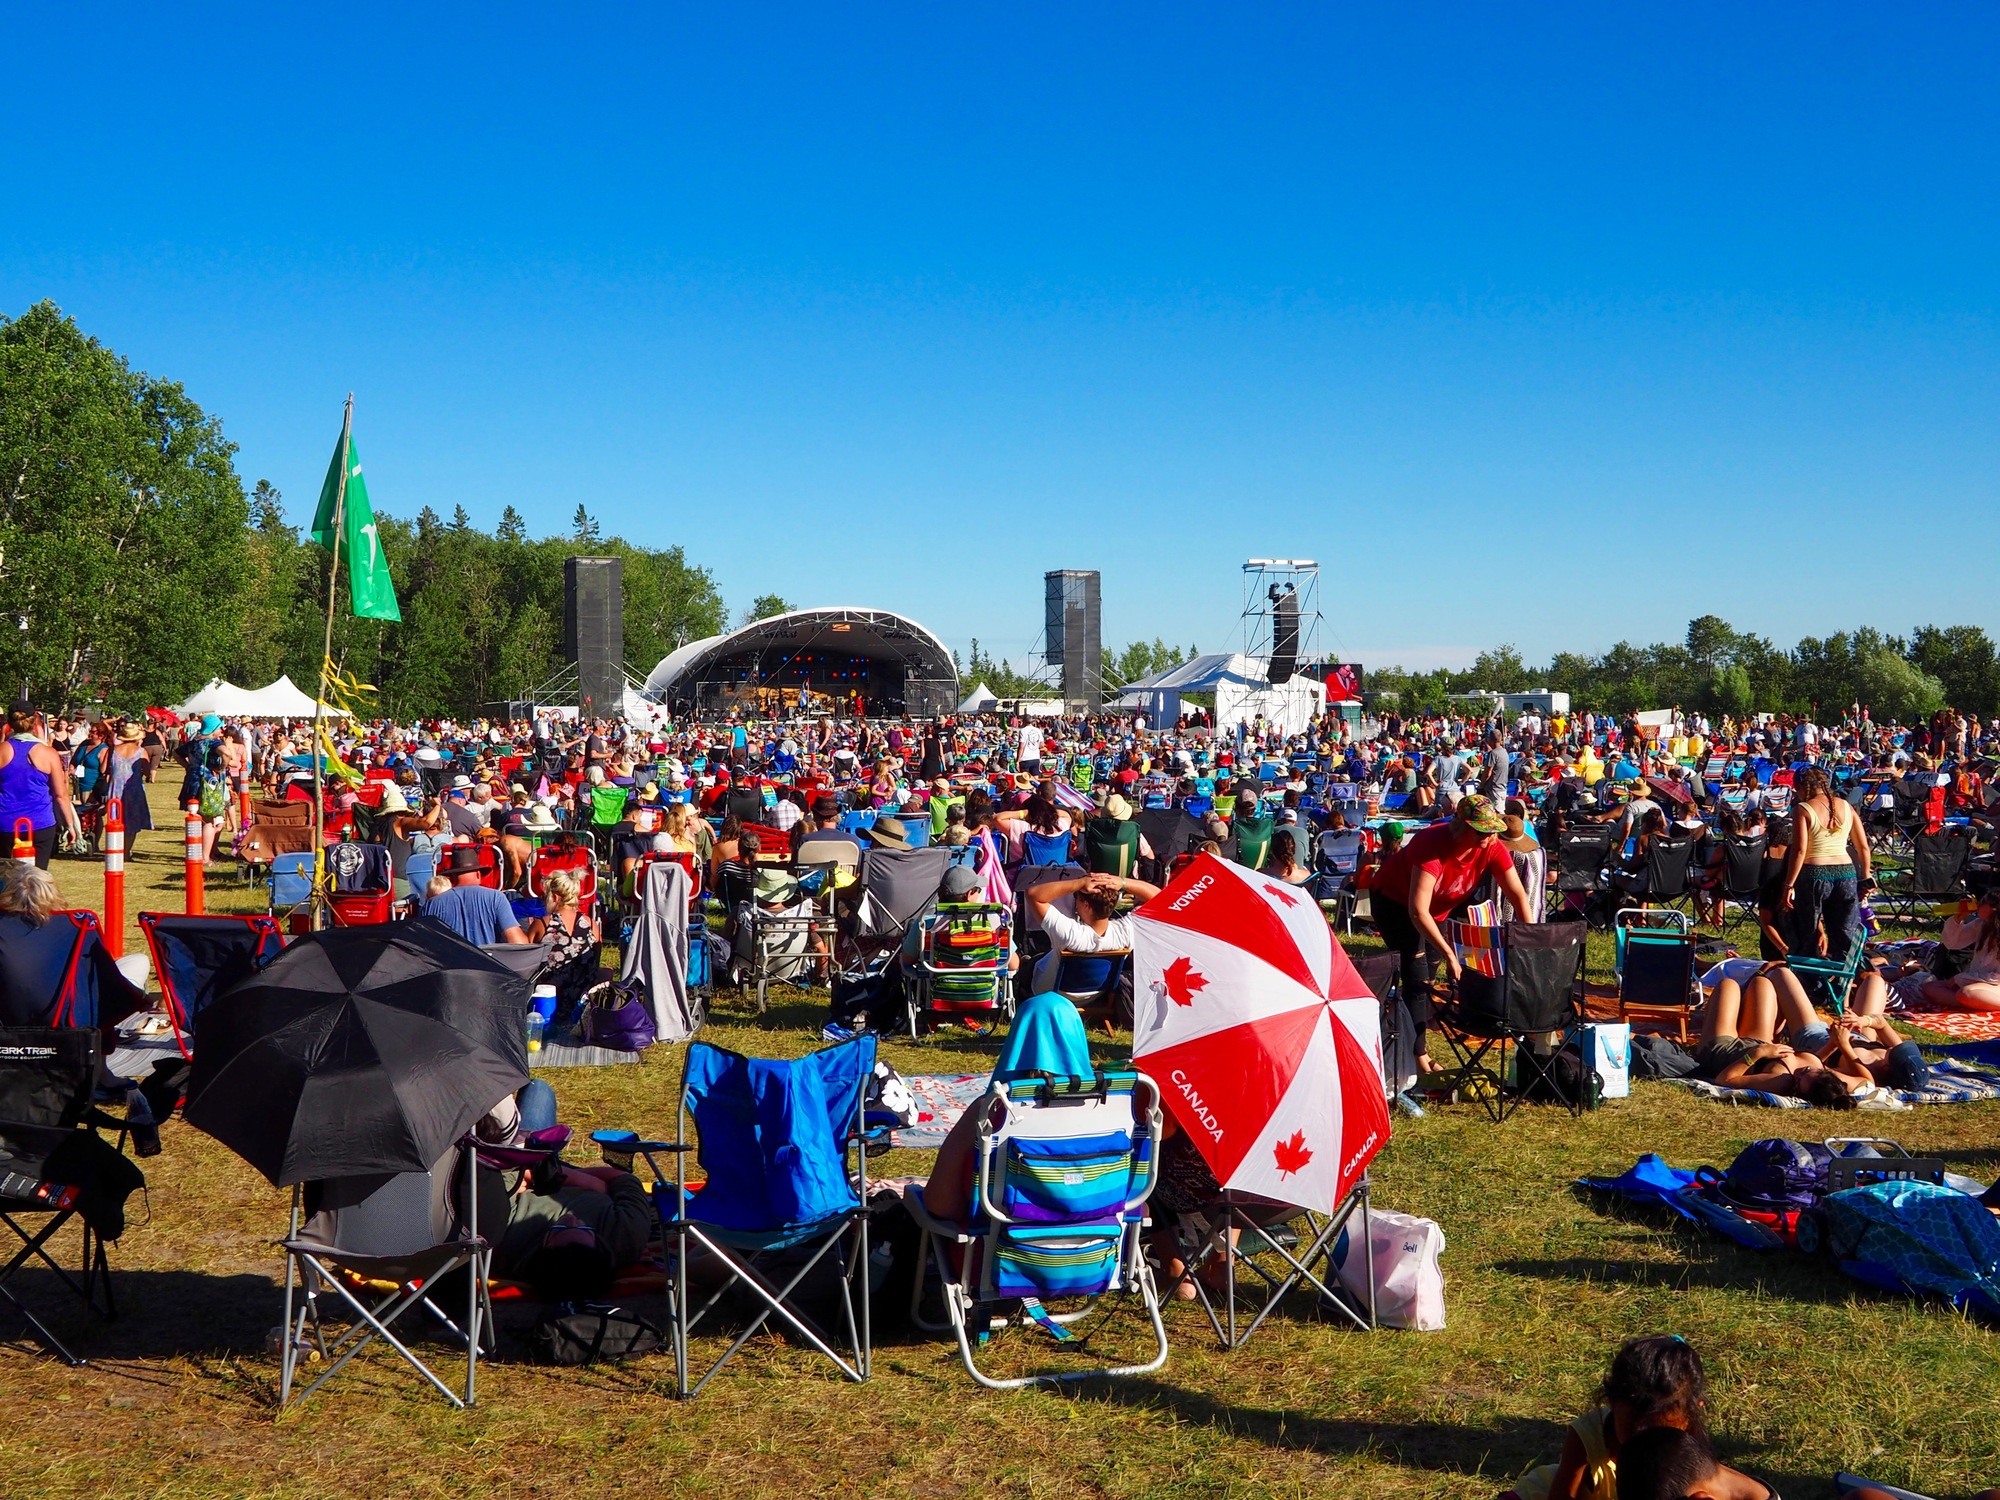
x=477 y=913
x=1434 y=873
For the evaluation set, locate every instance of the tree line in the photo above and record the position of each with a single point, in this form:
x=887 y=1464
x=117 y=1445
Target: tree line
x=134 y=567
x=1721 y=670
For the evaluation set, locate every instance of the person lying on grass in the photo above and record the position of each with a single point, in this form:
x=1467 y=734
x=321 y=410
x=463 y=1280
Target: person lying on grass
x=1862 y=1047
x=1653 y=1382
x=1737 y=1051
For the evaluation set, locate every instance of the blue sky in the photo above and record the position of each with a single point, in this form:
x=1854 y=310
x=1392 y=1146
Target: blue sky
x=1544 y=325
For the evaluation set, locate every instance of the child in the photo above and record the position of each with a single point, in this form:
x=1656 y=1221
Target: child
x=1668 y=1465
x=1653 y=1382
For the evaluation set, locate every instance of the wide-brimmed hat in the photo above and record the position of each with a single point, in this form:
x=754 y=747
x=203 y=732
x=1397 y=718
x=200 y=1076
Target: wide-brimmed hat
x=461 y=783
x=888 y=833
x=540 y=819
x=459 y=859
x=1480 y=815
x=130 y=732
x=1118 y=807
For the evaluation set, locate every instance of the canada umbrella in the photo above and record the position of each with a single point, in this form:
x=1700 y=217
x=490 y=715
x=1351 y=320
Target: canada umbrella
x=359 y=1050
x=1263 y=1039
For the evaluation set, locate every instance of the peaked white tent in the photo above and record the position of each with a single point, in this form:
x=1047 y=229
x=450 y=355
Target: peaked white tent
x=218 y=697
x=981 y=699
x=282 y=699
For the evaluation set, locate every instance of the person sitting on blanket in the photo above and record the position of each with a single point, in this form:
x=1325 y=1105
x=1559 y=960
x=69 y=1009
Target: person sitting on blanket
x=1977 y=986
x=1654 y=1382
x=1736 y=1050
x=1047 y=1037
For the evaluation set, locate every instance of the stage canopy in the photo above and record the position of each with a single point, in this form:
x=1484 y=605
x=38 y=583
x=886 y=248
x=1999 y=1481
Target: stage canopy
x=844 y=660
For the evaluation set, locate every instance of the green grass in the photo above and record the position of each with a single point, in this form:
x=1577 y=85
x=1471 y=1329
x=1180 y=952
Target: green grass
x=1810 y=1372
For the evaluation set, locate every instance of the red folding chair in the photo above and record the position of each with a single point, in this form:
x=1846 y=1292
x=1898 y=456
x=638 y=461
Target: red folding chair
x=577 y=859
x=774 y=845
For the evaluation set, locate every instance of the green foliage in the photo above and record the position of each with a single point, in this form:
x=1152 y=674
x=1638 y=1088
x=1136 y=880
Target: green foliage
x=122 y=523
x=999 y=676
x=1140 y=660
x=1721 y=670
x=764 y=606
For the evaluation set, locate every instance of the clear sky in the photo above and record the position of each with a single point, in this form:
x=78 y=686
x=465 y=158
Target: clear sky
x=1537 y=324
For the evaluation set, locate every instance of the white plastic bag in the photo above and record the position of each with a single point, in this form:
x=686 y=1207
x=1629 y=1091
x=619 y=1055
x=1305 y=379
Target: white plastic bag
x=1409 y=1282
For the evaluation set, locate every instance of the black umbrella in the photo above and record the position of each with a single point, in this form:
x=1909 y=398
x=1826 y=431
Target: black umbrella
x=359 y=1050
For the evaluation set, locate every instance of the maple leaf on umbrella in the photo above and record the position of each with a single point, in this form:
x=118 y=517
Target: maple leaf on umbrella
x=1292 y=1155
x=1281 y=893
x=1182 y=981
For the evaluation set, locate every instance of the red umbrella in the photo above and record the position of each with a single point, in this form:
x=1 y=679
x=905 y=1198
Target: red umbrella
x=1264 y=1041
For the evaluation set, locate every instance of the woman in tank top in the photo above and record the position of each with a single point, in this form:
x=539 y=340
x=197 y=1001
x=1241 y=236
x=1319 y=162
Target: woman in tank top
x=1827 y=869
x=34 y=786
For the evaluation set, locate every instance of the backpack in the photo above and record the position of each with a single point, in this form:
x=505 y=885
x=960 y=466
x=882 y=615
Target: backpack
x=1777 y=1176
x=584 y=1333
x=213 y=800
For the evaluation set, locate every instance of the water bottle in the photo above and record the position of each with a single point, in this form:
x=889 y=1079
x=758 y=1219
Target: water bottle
x=536 y=1025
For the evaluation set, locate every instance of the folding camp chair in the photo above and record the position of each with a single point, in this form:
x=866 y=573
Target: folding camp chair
x=55 y=1166
x=1250 y=841
x=1279 y=1245
x=197 y=958
x=1535 y=995
x=1743 y=870
x=1062 y=1169
x=1656 y=961
x=361 y=890
x=578 y=861
x=1829 y=981
x=1382 y=973
x=896 y=887
x=1337 y=861
x=960 y=972
x=773 y=922
x=787 y=1183
x=379 y=1245
x=1090 y=981
x=291 y=882
x=1580 y=858
x=1935 y=874
x=1045 y=848
x=1668 y=877
x=1168 y=831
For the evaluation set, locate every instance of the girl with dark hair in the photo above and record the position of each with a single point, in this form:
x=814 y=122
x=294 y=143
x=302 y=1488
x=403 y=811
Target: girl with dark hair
x=1654 y=1382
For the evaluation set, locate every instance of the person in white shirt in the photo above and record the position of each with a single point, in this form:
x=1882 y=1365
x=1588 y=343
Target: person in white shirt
x=1031 y=748
x=1093 y=928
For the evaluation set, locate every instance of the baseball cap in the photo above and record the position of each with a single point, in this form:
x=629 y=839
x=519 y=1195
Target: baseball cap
x=959 y=882
x=1478 y=814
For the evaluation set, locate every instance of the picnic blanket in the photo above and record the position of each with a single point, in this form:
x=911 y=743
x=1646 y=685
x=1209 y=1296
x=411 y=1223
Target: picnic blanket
x=1965 y=1025
x=941 y=1100
x=1953 y=1080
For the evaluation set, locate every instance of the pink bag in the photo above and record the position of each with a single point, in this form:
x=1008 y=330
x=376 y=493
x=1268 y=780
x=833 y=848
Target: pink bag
x=1409 y=1282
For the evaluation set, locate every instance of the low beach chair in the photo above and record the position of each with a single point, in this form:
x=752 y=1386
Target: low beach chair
x=1062 y=1169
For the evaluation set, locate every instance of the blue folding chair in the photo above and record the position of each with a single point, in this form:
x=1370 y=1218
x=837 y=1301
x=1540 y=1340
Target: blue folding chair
x=774 y=1144
x=1062 y=1169
x=291 y=881
x=197 y=958
x=1090 y=978
x=1045 y=848
x=416 y=875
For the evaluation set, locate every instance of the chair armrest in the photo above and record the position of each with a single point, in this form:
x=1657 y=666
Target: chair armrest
x=913 y=1200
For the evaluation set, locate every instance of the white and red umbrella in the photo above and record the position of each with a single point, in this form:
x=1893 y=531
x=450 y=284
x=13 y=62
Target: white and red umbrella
x=1264 y=1041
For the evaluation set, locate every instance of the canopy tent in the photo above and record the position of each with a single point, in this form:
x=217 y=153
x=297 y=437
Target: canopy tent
x=1242 y=691
x=981 y=699
x=218 y=697
x=279 y=700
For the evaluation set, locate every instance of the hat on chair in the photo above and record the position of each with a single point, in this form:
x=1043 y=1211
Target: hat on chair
x=888 y=833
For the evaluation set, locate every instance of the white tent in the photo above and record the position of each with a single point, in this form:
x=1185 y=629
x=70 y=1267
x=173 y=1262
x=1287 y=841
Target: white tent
x=218 y=697
x=280 y=700
x=981 y=699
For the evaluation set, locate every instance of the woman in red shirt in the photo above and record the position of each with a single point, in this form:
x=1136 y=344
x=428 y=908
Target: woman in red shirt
x=1435 y=872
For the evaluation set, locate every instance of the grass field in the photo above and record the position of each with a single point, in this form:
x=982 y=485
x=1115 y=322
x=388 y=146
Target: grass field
x=1810 y=1373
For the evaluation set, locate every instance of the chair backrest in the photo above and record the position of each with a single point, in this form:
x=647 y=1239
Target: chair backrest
x=418 y=870
x=1062 y=1171
x=1251 y=839
x=1667 y=862
x=1657 y=967
x=1045 y=848
x=47 y=1074
x=774 y=845
x=1743 y=866
x=1111 y=846
x=384 y=1215
x=917 y=831
x=1538 y=989
x=355 y=868
x=1089 y=976
x=291 y=880
x=579 y=860
x=831 y=854
x=854 y=822
x=197 y=958
x=902 y=882
x=773 y=1134
x=1340 y=850
x=607 y=804
x=1938 y=862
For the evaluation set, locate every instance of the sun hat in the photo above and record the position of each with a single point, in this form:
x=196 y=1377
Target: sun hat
x=888 y=833
x=461 y=783
x=1118 y=807
x=1478 y=814
x=459 y=859
x=540 y=819
x=130 y=732
x=210 y=723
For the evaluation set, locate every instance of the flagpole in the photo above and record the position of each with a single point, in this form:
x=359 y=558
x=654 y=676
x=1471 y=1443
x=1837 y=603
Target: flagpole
x=326 y=657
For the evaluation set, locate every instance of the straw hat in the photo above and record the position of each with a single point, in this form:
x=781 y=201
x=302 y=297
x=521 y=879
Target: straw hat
x=888 y=833
x=130 y=732
x=540 y=819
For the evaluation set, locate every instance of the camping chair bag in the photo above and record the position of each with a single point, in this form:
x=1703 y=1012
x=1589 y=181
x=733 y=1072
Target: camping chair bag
x=1536 y=992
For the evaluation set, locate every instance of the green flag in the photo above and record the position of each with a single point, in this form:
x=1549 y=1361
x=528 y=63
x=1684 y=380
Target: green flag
x=368 y=578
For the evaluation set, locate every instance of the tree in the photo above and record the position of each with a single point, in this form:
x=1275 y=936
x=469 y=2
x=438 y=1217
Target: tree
x=583 y=527
x=763 y=607
x=1729 y=690
x=1140 y=659
x=512 y=529
x=1893 y=689
x=1962 y=659
x=122 y=523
